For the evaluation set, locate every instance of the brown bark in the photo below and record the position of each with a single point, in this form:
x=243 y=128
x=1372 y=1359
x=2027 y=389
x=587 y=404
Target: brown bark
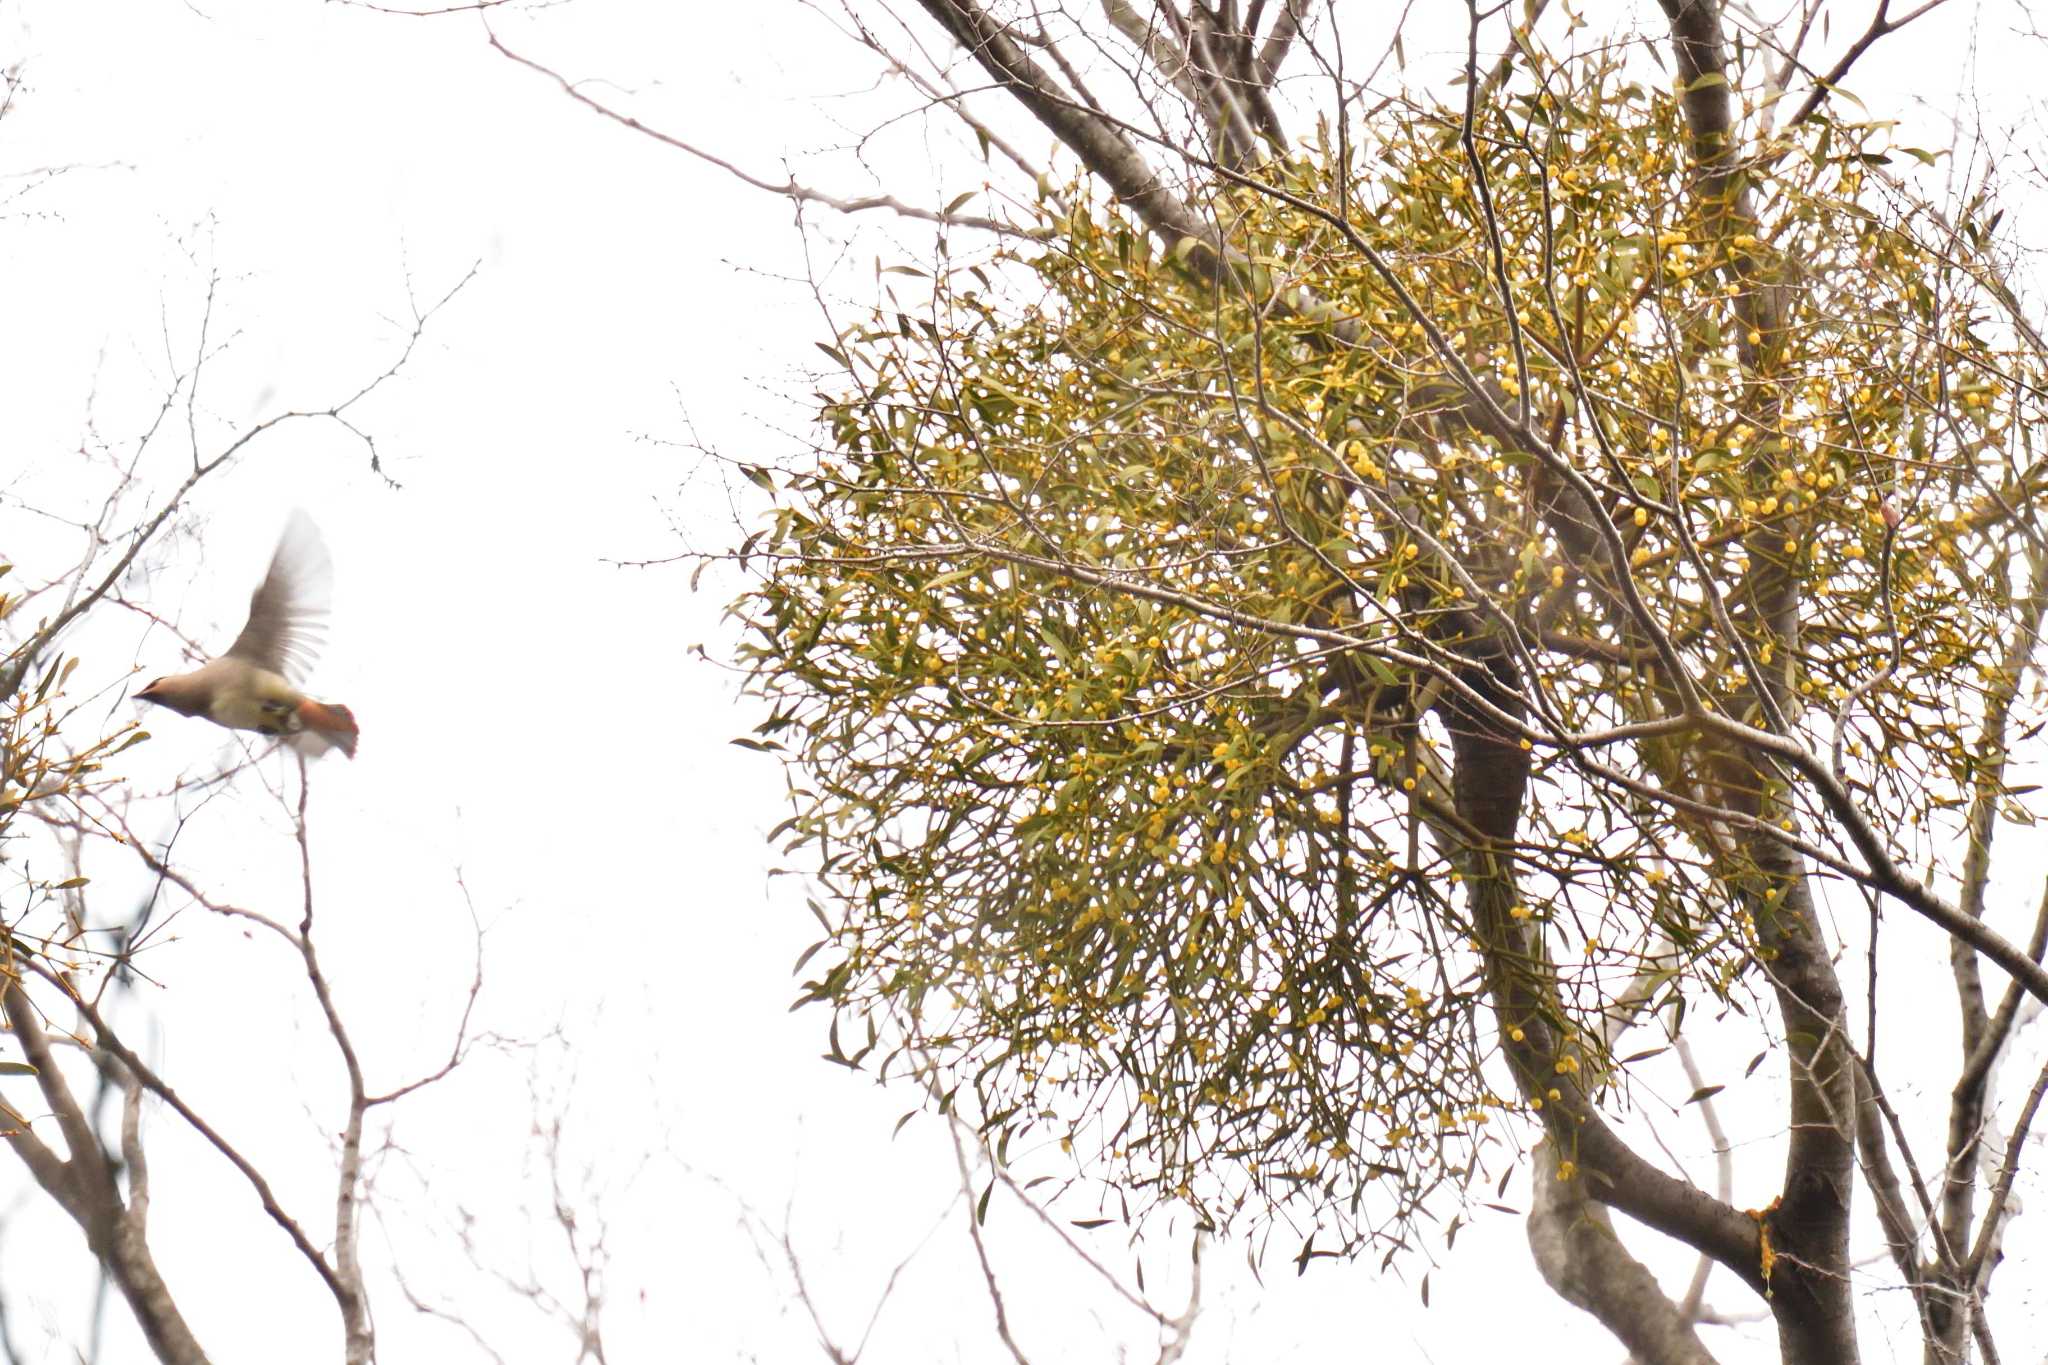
x=85 y=1185
x=1490 y=777
x=1101 y=147
x=1583 y=1260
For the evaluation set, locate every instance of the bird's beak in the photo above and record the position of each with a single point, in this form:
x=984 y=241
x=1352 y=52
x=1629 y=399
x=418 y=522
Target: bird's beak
x=147 y=693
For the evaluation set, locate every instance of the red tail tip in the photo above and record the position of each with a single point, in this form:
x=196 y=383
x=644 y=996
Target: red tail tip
x=331 y=721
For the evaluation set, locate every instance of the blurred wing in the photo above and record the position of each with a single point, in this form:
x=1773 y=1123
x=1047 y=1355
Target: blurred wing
x=288 y=610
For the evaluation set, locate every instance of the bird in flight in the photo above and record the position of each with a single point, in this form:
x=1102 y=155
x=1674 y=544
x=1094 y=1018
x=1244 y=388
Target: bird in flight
x=251 y=686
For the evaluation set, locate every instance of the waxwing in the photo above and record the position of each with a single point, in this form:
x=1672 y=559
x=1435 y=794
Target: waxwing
x=251 y=686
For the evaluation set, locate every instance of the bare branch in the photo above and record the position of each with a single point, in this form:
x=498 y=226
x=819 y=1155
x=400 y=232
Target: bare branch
x=988 y=1274
x=1881 y=25
x=788 y=189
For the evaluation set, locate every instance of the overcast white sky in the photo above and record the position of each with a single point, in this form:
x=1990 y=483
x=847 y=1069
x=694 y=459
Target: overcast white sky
x=534 y=719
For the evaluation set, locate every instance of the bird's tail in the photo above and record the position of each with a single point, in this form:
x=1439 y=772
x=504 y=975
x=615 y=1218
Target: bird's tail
x=326 y=725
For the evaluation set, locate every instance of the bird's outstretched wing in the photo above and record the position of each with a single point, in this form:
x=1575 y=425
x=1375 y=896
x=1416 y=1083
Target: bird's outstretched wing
x=287 y=611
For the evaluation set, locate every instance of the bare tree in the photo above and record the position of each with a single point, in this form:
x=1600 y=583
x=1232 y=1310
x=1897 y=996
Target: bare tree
x=75 y=950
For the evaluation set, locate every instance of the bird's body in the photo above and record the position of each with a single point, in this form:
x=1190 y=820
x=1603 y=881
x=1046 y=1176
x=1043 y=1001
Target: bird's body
x=247 y=688
x=237 y=694
x=245 y=697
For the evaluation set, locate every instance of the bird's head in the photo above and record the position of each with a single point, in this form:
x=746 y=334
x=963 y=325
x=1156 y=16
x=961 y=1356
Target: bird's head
x=170 y=692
